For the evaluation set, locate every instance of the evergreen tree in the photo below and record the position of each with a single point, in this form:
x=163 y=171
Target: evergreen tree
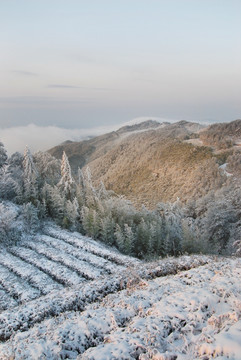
x=80 y=194
x=30 y=218
x=71 y=213
x=54 y=202
x=157 y=247
x=129 y=239
x=142 y=239
x=90 y=222
x=30 y=186
x=3 y=155
x=48 y=168
x=8 y=186
x=107 y=225
x=90 y=193
x=119 y=237
x=67 y=184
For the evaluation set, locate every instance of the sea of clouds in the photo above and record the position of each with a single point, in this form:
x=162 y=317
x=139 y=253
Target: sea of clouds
x=44 y=137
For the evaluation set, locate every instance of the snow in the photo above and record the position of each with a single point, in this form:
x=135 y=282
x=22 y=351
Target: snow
x=63 y=295
x=223 y=167
x=16 y=287
x=142 y=119
x=57 y=271
x=5 y=300
x=91 y=246
x=82 y=268
x=29 y=272
x=90 y=258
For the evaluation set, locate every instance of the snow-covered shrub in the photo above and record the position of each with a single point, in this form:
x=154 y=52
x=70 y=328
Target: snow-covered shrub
x=9 y=227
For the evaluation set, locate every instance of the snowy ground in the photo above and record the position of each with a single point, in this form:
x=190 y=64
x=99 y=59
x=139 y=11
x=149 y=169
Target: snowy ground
x=64 y=296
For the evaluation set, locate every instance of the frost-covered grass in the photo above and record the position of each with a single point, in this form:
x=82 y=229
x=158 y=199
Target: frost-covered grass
x=194 y=314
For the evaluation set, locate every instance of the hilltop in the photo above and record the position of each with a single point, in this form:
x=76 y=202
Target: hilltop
x=152 y=162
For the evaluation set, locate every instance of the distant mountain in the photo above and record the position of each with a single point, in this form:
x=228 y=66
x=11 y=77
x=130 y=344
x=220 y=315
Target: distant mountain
x=82 y=152
x=153 y=162
x=145 y=125
x=222 y=136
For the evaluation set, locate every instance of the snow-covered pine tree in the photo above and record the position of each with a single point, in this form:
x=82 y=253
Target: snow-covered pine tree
x=129 y=239
x=90 y=193
x=90 y=222
x=71 y=216
x=81 y=196
x=3 y=155
x=30 y=218
x=54 y=202
x=172 y=215
x=48 y=168
x=30 y=175
x=142 y=239
x=8 y=186
x=119 y=237
x=107 y=225
x=156 y=237
x=67 y=184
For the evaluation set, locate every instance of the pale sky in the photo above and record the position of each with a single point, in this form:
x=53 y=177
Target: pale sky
x=89 y=63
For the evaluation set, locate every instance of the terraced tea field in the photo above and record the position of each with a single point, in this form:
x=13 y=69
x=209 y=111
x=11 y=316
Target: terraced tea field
x=54 y=261
x=65 y=296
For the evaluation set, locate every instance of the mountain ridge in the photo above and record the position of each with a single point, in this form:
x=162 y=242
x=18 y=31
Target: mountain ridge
x=155 y=162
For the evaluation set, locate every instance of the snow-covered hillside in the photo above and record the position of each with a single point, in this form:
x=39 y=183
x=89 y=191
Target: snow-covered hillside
x=65 y=296
x=36 y=266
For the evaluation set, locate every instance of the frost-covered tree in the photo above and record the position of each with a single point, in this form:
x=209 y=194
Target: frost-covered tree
x=9 y=228
x=3 y=155
x=107 y=228
x=156 y=232
x=90 y=221
x=30 y=218
x=9 y=188
x=15 y=163
x=172 y=215
x=90 y=193
x=71 y=214
x=142 y=239
x=30 y=185
x=54 y=202
x=67 y=184
x=48 y=168
x=129 y=239
x=119 y=237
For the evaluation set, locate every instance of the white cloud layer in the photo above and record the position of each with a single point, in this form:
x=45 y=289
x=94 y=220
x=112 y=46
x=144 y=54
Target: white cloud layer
x=45 y=137
x=41 y=137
